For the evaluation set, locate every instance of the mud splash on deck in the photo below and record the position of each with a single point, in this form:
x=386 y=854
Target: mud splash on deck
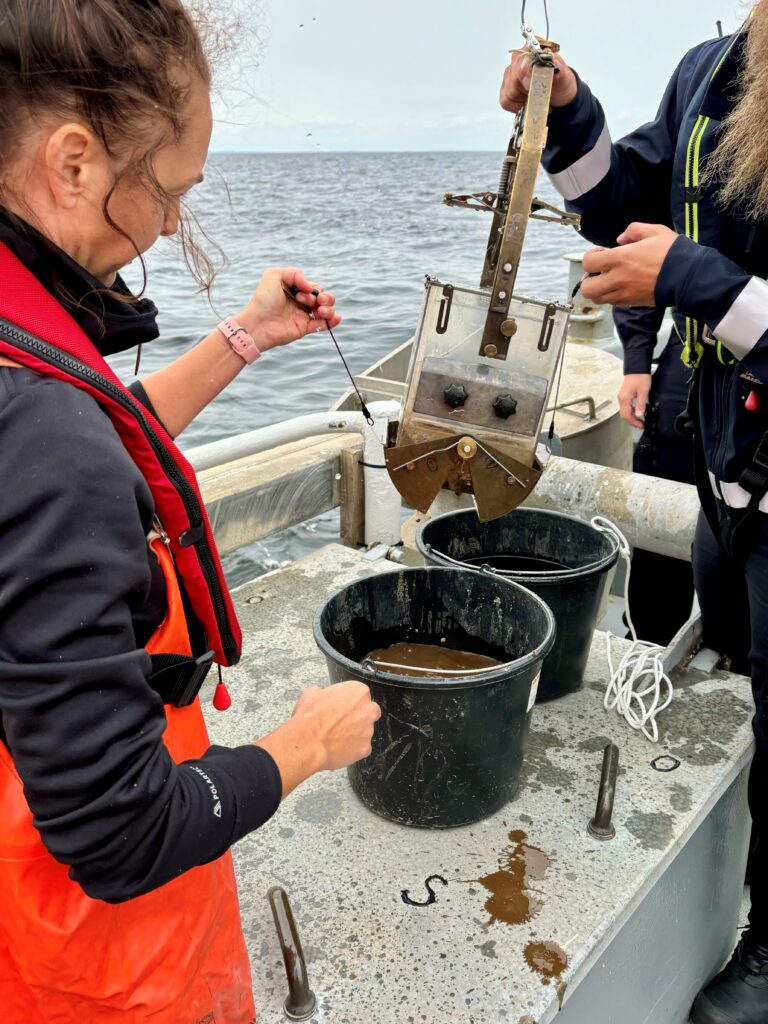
x=512 y=900
x=546 y=959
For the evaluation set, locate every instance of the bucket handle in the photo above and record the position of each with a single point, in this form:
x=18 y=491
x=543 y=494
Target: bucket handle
x=498 y=573
x=370 y=664
x=562 y=575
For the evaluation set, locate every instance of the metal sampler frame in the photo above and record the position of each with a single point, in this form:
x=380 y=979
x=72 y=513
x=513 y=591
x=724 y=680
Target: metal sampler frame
x=484 y=360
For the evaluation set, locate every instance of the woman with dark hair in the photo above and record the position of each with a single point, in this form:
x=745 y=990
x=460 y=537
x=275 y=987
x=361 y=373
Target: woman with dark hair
x=117 y=888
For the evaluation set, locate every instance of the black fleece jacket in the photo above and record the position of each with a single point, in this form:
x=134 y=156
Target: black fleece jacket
x=78 y=598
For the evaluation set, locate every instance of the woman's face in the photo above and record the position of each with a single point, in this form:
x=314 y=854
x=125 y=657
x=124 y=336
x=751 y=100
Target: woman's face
x=136 y=207
x=61 y=181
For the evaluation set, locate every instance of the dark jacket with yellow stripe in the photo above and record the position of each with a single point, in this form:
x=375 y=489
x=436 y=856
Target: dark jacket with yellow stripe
x=714 y=274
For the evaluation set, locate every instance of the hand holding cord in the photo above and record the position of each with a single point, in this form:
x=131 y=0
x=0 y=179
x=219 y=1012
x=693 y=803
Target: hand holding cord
x=180 y=391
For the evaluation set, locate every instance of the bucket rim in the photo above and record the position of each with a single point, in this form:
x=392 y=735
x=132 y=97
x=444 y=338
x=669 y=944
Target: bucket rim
x=493 y=675
x=544 y=576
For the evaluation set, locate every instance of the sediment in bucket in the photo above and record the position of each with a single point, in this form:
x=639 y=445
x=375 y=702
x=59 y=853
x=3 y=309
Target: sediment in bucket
x=448 y=750
x=575 y=560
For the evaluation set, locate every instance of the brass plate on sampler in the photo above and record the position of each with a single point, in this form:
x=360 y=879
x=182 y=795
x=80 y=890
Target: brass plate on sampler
x=498 y=482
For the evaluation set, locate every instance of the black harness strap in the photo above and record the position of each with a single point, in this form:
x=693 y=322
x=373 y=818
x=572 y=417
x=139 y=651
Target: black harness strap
x=731 y=531
x=178 y=678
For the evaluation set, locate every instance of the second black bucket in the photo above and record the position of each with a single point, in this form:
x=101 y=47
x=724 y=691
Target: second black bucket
x=448 y=749
x=564 y=560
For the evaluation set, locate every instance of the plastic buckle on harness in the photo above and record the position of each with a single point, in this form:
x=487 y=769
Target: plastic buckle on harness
x=178 y=679
x=755 y=477
x=192 y=536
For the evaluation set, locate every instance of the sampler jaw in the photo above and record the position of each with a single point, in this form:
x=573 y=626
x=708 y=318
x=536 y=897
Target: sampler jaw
x=472 y=420
x=498 y=482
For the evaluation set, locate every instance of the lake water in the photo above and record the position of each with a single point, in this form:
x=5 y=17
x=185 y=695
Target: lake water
x=368 y=227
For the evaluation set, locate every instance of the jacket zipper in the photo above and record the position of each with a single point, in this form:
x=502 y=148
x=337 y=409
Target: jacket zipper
x=723 y=375
x=56 y=357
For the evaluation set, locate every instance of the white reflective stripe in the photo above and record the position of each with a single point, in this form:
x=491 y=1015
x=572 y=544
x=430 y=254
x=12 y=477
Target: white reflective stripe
x=588 y=171
x=734 y=495
x=746 y=321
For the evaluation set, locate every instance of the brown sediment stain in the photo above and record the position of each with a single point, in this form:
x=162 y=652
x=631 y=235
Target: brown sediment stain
x=547 y=960
x=511 y=900
x=428 y=658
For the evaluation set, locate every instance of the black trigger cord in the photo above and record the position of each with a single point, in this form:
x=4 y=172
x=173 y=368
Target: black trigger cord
x=363 y=406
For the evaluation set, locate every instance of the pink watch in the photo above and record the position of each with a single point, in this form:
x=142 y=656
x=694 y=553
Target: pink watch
x=239 y=340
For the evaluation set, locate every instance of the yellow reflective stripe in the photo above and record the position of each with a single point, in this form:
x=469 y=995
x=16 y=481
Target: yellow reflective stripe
x=693 y=349
x=723 y=355
x=689 y=154
x=693 y=175
x=732 y=43
x=697 y=151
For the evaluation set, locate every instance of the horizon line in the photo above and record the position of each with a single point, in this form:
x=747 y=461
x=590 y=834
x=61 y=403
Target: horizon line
x=345 y=152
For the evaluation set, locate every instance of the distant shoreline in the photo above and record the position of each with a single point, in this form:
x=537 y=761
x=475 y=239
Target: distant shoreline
x=348 y=152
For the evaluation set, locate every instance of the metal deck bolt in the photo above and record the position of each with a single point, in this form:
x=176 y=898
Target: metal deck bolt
x=601 y=826
x=301 y=1002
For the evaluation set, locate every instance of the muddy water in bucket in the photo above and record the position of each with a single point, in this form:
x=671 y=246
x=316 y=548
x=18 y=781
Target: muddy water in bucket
x=564 y=560
x=449 y=746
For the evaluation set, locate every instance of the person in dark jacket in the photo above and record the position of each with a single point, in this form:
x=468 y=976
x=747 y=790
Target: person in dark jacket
x=680 y=209
x=105 y=123
x=654 y=402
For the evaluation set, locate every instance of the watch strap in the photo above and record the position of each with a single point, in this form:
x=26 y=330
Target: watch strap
x=240 y=341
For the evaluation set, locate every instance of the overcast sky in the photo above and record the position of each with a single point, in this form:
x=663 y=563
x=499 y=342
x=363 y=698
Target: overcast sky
x=424 y=74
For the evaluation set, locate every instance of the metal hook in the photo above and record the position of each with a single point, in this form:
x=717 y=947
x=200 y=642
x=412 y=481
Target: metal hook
x=444 y=314
x=301 y=1002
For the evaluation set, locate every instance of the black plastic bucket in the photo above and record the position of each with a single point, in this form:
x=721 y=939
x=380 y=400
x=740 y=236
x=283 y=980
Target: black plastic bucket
x=574 y=562
x=447 y=750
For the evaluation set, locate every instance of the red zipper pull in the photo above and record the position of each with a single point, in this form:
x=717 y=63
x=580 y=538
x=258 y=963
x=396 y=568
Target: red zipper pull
x=221 y=698
x=752 y=403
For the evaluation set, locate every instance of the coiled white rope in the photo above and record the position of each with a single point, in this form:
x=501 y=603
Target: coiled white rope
x=639 y=688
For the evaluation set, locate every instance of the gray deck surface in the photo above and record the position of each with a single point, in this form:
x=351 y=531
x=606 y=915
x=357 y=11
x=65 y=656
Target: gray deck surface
x=372 y=958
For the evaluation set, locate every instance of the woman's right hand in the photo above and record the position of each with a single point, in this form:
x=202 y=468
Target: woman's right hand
x=517 y=82
x=341 y=718
x=330 y=728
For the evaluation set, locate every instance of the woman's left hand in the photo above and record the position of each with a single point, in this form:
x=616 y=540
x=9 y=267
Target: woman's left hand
x=274 y=319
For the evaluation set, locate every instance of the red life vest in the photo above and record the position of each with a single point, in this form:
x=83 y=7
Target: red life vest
x=37 y=332
x=176 y=955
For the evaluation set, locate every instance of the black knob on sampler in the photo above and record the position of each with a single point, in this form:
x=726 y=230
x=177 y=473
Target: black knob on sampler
x=504 y=406
x=455 y=395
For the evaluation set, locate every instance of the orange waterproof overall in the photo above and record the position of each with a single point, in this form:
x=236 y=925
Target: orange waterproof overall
x=174 y=956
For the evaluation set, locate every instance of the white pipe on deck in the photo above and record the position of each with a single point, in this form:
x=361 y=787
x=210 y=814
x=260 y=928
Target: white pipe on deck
x=241 y=446
x=383 y=504
x=656 y=515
